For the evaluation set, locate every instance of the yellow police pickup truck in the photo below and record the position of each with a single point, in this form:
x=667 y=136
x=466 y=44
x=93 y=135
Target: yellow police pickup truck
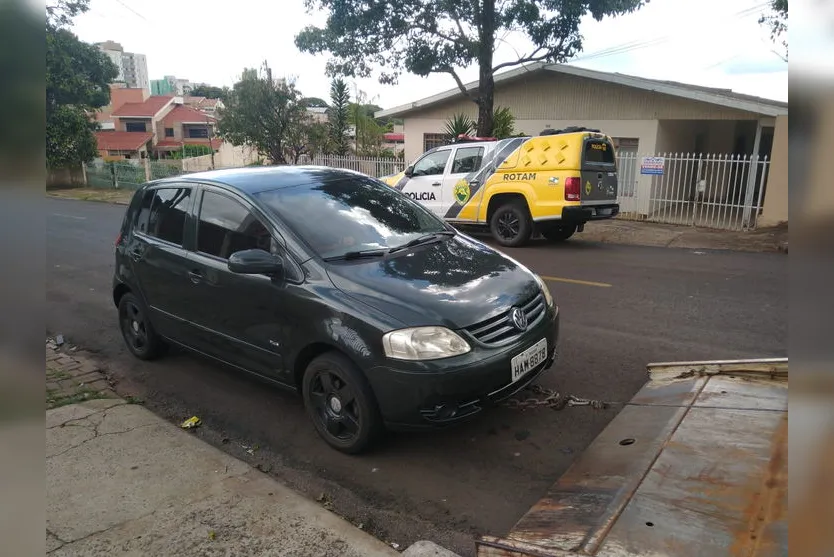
x=550 y=184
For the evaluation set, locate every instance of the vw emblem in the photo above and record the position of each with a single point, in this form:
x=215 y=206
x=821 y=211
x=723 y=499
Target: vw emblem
x=519 y=319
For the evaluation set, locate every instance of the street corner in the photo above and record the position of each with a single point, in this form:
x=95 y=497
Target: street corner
x=72 y=378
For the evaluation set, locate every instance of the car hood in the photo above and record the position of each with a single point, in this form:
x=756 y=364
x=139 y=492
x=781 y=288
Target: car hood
x=456 y=282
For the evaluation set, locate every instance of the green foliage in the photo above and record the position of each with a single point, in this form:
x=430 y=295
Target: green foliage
x=777 y=21
x=459 y=124
x=77 y=82
x=69 y=137
x=429 y=36
x=318 y=139
x=210 y=92
x=189 y=151
x=338 y=115
x=265 y=113
x=503 y=123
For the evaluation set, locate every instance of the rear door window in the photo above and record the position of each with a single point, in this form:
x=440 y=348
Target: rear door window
x=598 y=151
x=166 y=210
x=467 y=159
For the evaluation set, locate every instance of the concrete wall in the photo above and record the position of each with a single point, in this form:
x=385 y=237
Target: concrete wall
x=775 y=210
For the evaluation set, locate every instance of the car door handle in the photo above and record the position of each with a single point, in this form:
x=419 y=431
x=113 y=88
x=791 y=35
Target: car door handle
x=135 y=254
x=195 y=276
x=436 y=184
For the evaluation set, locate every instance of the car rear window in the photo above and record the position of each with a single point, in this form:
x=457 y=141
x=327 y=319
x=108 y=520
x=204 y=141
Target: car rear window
x=598 y=151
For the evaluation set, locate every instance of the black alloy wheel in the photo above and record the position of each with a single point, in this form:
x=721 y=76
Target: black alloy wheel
x=511 y=224
x=340 y=403
x=139 y=335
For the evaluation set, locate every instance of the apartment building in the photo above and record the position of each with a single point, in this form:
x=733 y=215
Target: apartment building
x=133 y=67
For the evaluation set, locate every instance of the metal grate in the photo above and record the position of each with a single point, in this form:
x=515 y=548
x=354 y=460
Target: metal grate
x=500 y=329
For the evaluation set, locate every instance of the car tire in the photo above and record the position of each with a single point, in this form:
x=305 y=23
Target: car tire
x=341 y=404
x=139 y=335
x=511 y=225
x=559 y=233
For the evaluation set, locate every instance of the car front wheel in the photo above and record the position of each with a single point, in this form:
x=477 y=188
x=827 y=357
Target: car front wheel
x=340 y=403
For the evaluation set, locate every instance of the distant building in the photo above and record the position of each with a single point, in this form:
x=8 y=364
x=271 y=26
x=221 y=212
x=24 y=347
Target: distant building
x=162 y=87
x=133 y=67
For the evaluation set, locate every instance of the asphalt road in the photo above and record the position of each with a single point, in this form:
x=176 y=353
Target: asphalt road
x=622 y=307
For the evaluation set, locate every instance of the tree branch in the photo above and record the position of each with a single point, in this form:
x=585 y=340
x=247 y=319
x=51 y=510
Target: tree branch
x=451 y=71
x=534 y=57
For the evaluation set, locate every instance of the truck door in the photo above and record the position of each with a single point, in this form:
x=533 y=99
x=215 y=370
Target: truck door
x=599 y=172
x=456 y=183
x=424 y=184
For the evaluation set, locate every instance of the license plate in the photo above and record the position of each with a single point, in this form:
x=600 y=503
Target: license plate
x=529 y=359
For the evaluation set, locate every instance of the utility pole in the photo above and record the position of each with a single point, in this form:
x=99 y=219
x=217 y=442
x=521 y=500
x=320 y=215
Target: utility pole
x=208 y=134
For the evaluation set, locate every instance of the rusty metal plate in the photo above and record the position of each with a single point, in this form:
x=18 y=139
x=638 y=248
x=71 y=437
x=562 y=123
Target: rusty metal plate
x=694 y=464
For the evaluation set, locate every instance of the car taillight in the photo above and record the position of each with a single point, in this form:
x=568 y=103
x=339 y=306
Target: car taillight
x=119 y=239
x=572 y=188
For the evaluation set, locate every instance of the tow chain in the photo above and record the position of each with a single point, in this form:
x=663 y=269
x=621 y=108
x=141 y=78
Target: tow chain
x=551 y=399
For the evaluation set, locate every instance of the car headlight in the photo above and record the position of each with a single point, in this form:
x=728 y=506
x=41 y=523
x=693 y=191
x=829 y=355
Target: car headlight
x=423 y=343
x=546 y=291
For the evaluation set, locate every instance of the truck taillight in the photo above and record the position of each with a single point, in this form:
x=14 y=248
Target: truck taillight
x=572 y=187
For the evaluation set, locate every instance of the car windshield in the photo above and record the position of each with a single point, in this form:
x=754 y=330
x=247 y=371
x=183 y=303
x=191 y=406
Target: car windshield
x=351 y=215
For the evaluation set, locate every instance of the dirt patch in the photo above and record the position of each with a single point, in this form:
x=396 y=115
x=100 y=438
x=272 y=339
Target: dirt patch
x=118 y=196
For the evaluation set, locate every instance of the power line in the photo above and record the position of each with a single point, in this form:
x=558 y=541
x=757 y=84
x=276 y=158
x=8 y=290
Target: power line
x=639 y=45
x=132 y=10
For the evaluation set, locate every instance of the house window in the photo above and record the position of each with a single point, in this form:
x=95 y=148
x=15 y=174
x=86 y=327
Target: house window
x=169 y=132
x=135 y=127
x=432 y=140
x=198 y=133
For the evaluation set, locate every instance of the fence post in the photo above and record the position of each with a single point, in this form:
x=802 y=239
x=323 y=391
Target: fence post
x=147 y=164
x=84 y=173
x=698 y=198
x=113 y=174
x=752 y=170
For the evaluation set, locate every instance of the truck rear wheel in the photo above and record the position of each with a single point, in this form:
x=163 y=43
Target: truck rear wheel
x=511 y=225
x=559 y=233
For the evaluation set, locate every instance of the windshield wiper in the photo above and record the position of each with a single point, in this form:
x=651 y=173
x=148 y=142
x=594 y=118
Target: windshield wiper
x=357 y=255
x=424 y=239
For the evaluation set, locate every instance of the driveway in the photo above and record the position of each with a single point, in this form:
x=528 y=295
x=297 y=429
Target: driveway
x=622 y=307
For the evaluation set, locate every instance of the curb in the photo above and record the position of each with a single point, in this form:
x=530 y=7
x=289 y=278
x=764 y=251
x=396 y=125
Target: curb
x=425 y=548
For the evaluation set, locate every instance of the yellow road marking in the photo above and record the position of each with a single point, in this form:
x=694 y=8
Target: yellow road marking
x=575 y=281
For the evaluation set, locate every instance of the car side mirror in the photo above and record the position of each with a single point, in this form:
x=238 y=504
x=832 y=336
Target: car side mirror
x=255 y=262
x=409 y=172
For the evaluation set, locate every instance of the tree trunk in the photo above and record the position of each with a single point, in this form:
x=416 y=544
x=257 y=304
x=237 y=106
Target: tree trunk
x=486 y=83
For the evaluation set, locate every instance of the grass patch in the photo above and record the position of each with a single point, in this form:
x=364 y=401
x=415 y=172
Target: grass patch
x=56 y=400
x=94 y=194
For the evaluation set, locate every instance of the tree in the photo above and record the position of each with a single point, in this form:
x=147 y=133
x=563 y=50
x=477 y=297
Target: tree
x=338 y=115
x=210 y=92
x=440 y=36
x=314 y=102
x=777 y=21
x=78 y=77
x=265 y=113
x=318 y=139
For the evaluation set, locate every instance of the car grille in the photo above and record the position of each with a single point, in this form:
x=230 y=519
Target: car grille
x=500 y=329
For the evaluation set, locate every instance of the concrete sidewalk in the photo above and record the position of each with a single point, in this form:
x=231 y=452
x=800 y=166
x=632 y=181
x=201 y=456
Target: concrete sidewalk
x=122 y=481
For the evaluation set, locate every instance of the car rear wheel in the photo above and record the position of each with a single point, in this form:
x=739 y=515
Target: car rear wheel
x=559 y=233
x=340 y=403
x=511 y=225
x=139 y=334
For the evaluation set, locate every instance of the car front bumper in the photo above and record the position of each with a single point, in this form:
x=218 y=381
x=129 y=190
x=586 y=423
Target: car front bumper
x=443 y=392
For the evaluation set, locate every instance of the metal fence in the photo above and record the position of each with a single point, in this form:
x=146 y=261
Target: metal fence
x=372 y=166
x=711 y=191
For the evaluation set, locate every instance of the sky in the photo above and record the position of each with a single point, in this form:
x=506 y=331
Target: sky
x=714 y=43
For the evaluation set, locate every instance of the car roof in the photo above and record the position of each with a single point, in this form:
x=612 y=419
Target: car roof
x=256 y=179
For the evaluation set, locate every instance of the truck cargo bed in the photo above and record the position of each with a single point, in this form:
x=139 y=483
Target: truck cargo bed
x=695 y=464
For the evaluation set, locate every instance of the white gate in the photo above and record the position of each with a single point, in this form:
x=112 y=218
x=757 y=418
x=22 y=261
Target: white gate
x=711 y=191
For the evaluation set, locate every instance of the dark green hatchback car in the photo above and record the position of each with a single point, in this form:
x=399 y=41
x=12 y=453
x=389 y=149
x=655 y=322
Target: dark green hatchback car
x=331 y=283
